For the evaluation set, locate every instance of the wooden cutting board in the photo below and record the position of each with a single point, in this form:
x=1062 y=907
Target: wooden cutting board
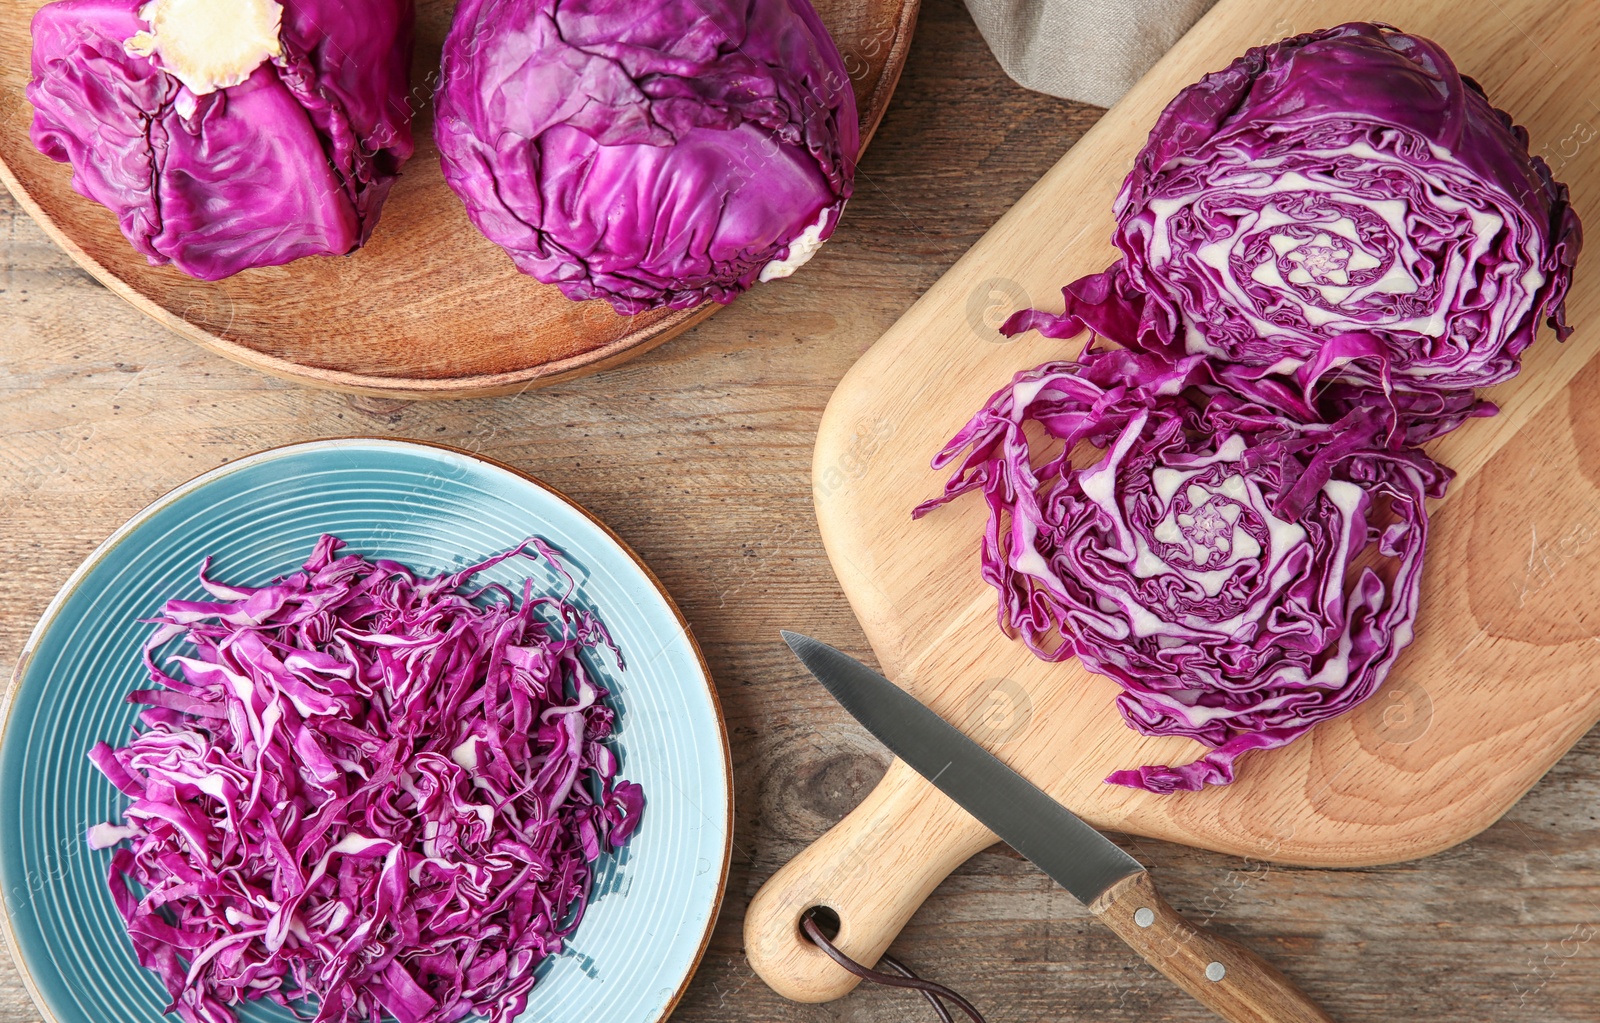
x=429 y=308
x=1504 y=675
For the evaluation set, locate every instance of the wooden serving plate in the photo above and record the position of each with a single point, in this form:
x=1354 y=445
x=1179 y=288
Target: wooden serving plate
x=1504 y=675
x=429 y=308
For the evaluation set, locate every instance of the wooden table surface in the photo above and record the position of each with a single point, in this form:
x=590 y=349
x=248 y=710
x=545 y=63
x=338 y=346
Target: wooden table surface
x=699 y=454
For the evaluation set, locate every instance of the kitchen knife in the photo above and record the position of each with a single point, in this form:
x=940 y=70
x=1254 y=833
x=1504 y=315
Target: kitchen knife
x=1227 y=978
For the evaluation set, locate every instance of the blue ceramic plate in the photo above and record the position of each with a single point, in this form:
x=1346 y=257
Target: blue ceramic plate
x=433 y=509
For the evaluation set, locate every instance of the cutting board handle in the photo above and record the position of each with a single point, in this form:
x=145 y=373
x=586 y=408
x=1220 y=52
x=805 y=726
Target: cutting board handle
x=873 y=869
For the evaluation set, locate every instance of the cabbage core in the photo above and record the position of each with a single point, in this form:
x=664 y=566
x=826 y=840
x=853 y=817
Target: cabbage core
x=209 y=44
x=800 y=250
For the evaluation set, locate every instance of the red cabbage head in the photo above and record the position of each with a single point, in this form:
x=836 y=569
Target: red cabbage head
x=654 y=155
x=227 y=134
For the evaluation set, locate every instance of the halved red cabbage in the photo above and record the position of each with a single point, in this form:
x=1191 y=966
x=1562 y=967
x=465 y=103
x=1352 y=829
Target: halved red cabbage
x=379 y=792
x=652 y=154
x=1341 y=203
x=1242 y=570
x=294 y=160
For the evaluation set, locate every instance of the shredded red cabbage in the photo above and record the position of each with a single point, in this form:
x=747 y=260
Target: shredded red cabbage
x=1242 y=570
x=369 y=790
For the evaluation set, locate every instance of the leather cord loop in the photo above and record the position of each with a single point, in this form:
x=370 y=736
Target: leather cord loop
x=902 y=977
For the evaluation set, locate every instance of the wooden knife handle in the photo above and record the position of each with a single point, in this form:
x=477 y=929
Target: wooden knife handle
x=1223 y=975
x=873 y=869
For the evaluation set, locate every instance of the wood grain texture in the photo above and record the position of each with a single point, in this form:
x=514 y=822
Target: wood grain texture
x=699 y=454
x=429 y=308
x=1221 y=974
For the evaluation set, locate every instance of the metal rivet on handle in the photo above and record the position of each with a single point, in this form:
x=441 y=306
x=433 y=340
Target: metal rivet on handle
x=1144 y=917
x=1215 y=972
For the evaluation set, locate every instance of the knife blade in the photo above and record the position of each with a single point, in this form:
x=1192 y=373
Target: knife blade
x=1076 y=856
x=1229 y=979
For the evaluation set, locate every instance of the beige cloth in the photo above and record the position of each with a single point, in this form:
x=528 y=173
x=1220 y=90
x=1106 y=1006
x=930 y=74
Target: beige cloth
x=1086 y=50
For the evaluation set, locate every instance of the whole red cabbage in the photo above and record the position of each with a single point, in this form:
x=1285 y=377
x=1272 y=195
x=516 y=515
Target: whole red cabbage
x=1241 y=569
x=1346 y=204
x=652 y=154
x=379 y=792
x=294 y=161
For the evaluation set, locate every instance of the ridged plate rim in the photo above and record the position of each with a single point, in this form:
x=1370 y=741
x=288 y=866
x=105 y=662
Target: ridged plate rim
x=442 y=451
